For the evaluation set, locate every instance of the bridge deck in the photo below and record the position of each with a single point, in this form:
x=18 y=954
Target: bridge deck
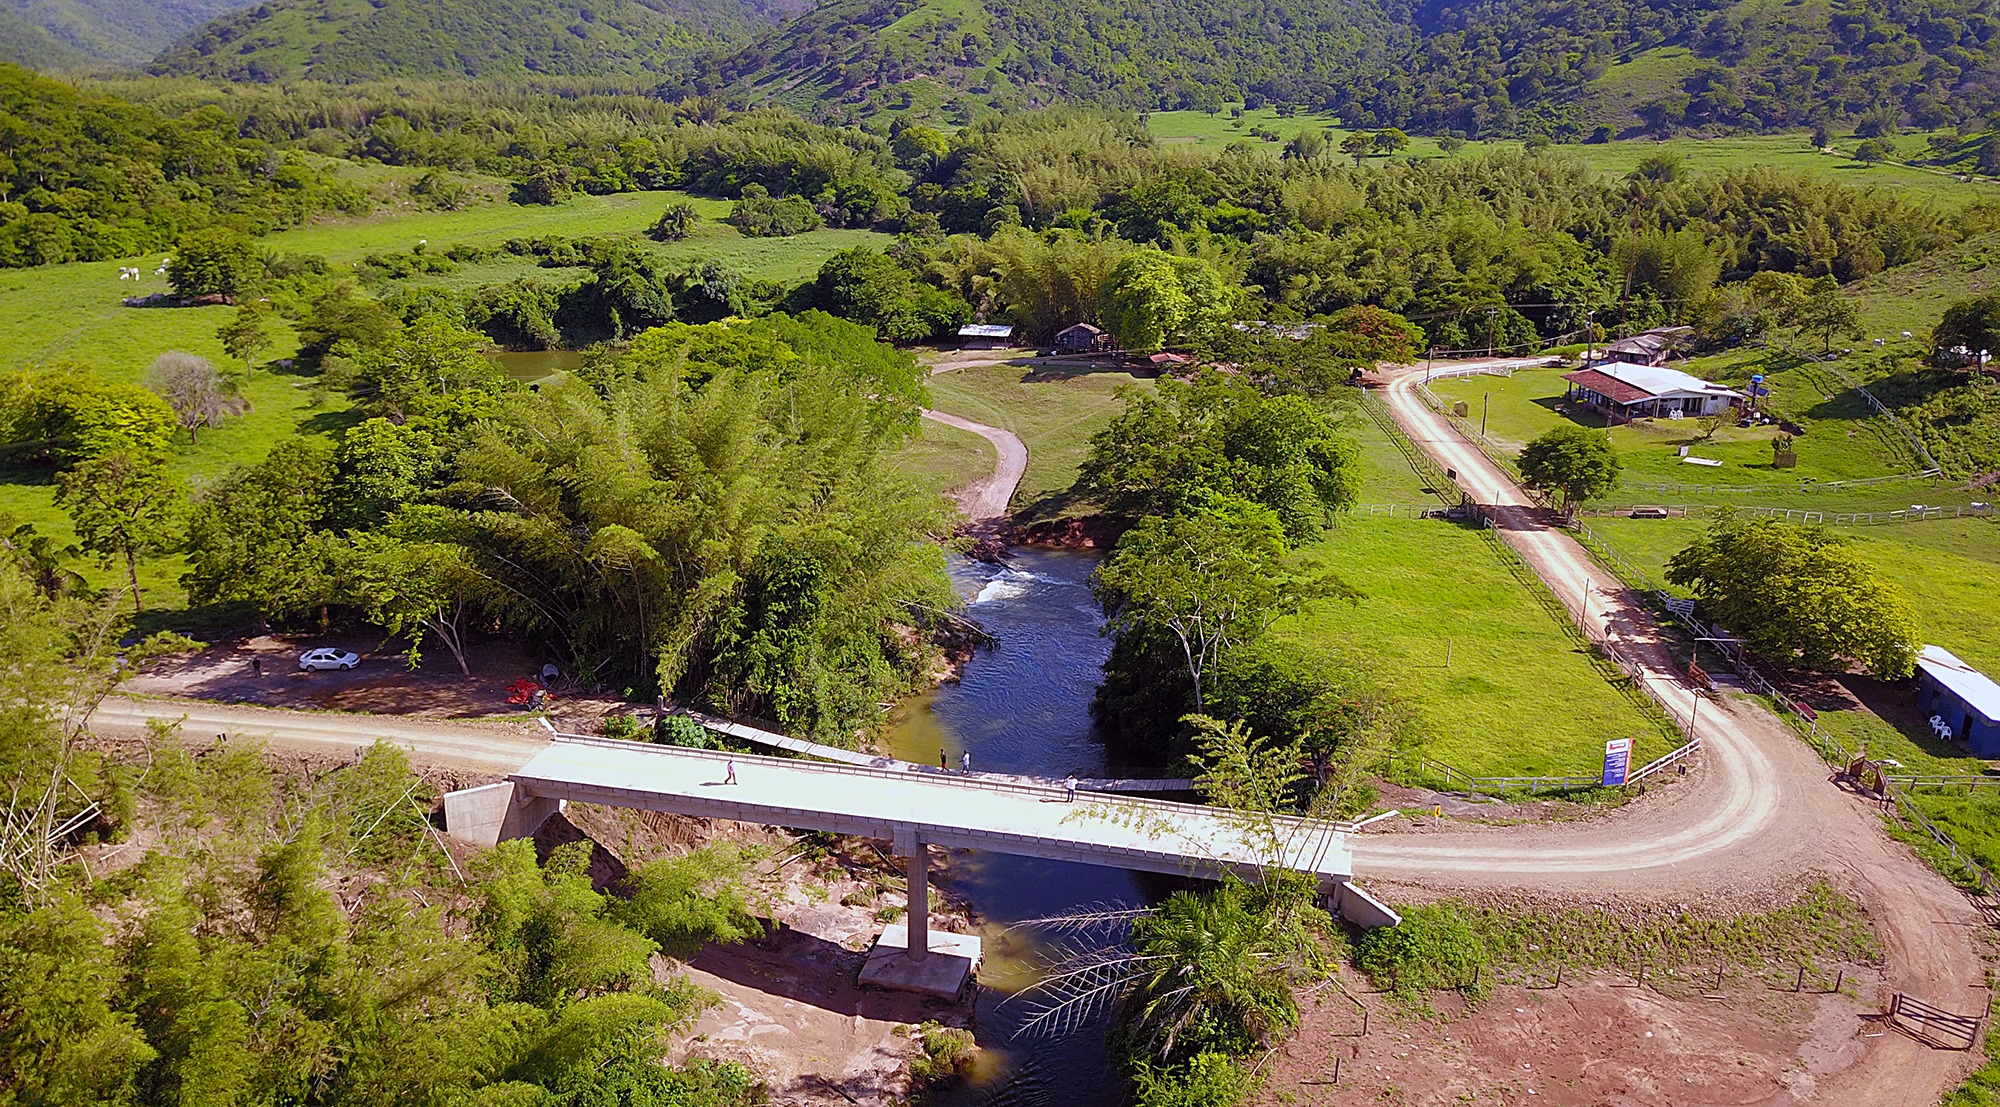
x=947 y=810
x=747 y=733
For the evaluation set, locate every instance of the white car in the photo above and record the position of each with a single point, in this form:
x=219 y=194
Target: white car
x=326 y=657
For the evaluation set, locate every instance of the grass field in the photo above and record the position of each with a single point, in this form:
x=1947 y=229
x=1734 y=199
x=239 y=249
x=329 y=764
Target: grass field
x=1519 y=696
x=942 y=457
x=1522 y=407
x=1055 y=410
x=1790 y=150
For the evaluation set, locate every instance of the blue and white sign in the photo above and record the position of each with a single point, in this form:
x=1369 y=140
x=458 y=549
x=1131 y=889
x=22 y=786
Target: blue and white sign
x=1617 y=761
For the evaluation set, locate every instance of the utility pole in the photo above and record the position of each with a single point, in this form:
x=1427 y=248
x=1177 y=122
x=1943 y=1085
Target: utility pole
x=1483 y=397
x=1589 y=334
x=1492 y=321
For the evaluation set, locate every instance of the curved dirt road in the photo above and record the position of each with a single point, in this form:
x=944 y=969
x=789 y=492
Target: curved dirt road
x=1758 y=814
x=985 y=500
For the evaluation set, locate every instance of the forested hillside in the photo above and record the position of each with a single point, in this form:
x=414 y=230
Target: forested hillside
x=71 y=34
x=347 y=40
x=1562 y=67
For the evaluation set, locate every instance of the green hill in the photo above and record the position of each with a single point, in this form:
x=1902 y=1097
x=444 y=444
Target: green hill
x=1476 y=67
x=81 y=34
x=349 y=40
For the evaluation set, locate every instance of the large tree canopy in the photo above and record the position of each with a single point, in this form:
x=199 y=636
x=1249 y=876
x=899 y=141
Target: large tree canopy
x=1798 y=595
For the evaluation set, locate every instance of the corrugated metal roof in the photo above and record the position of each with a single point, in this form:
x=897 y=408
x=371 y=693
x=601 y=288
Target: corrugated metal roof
x=1607 y=386
x=1962 y=680
x=985 y=330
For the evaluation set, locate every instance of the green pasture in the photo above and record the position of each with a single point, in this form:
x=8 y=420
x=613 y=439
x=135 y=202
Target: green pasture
x=1443 y=621
x=942 y=457
x=1913 y=297
x=1790 y=150
x=1053 y=407
x=1522 y=407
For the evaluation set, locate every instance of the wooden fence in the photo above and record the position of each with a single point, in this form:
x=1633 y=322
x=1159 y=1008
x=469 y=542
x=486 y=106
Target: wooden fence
x=1933 y=1026
x=1913 y=514
x=1802 y=486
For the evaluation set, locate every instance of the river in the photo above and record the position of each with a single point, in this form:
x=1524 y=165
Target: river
x=1023 y=706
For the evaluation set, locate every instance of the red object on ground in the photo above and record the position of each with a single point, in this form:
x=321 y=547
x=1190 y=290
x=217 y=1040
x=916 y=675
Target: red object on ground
x=521 y=690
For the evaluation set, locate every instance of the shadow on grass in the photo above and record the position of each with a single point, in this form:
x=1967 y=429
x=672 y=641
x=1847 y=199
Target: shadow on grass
x=332 y=422
x=1575 y=413
x=1895 y=703
x=1042 y=372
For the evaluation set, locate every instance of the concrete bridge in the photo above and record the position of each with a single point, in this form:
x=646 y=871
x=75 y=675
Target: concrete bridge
x=911 y=811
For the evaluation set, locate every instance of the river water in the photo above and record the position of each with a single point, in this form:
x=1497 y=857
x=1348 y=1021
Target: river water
x=1023 y=706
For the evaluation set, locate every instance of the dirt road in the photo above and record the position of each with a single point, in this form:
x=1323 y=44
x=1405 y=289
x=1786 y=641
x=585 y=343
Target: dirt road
x=1758 y=814
x=984 y=501
x=493 y=748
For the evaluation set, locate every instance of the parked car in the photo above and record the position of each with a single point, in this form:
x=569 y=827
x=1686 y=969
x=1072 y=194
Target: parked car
x=326 y=657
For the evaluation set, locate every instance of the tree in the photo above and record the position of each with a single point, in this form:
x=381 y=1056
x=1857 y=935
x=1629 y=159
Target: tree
x=124 y=504
x=247 y=334
x=1575 y=462
x=1154 y=299
x=1450 y=145
x=214 y=261
x=1210 y=581
x=1190 y=444
x=1873 y=151
x=871 y=288
x=1798 y=595
x=1971 y=325
x=69 y=415
x=1821 y=310
x=1712 y=421
x=415 y=589
x=200 y=396
x=1389 y=140
x=259 y=535
x=1359 y=145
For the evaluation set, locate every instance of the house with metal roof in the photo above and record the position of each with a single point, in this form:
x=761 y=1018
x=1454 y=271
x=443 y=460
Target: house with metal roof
x=985 y=336
x=1961 y=698
x=1627 y=391
x=1651 y=347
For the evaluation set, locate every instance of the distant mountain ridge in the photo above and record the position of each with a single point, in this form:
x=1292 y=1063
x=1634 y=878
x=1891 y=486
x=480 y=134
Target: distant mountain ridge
x=1567 y=68
x=1471 y=66
x=71 y=34
x=349 y=40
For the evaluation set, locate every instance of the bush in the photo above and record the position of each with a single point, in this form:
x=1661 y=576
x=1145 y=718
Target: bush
x=679 y=730
x=761 y=215
x=1209 y=1080
x=1434 y=949
x=943 y=1052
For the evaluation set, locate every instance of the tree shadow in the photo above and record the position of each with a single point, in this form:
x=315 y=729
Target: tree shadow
x=1572 y=411
x=1044 y=372
x=332 y=423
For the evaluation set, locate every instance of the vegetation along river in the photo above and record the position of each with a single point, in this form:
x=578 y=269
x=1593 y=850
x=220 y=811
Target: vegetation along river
x=1024 y=706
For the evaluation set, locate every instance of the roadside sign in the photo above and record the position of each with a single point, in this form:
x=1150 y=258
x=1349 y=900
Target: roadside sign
x=1617 y=761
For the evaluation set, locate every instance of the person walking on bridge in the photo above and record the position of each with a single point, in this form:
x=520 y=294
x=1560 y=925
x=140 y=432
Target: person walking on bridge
x=730 y=765
x=944 y=762
x=965 y=761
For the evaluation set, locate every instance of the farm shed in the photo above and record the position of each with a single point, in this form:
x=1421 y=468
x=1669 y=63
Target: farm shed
x=1080 y=338
x=985 y=336
x=1967 y=700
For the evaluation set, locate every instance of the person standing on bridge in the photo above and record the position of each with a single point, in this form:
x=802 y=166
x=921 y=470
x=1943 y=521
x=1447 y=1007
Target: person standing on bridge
x=944 y=762
x=1069 y=786
x=730 y=765
x=965 y=761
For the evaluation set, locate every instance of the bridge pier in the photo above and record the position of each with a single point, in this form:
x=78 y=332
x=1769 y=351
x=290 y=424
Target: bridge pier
x=917 y=870
x=908 y=957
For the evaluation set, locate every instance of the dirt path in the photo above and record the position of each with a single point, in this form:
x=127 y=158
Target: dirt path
x=1758 y=815
x=985 y=500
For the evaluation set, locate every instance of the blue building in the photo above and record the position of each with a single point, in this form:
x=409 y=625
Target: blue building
x=1965 y=699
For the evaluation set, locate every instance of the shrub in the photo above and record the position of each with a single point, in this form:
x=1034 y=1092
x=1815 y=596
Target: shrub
x=1434 y=949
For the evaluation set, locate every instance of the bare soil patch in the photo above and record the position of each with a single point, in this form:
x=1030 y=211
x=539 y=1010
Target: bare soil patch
x=1595 y=1042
